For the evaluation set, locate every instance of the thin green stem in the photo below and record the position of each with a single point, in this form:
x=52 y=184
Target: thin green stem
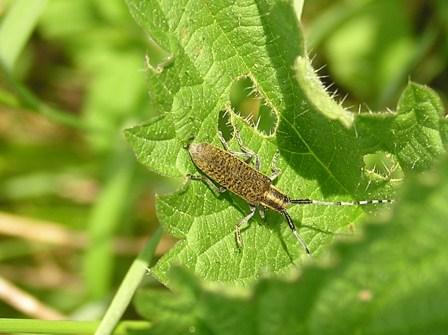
x=106 y=215
x=64 y=327
x=128 y=286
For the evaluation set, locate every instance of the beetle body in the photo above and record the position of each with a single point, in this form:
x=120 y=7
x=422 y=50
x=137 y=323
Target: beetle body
x=237 y=176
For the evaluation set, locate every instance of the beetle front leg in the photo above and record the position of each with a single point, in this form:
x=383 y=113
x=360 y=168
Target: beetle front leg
x=275 y=170
x=246 y=156
x=246 y=150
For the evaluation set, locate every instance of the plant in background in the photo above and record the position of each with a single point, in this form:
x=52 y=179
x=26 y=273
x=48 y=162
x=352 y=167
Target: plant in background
x=211 y=64
x=322 y=150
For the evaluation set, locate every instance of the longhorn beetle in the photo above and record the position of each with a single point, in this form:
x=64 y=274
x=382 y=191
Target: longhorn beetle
x=237 y=176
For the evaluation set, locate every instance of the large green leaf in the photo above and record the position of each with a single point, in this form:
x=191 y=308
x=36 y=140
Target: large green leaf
x=392 y=281
x=214 y=44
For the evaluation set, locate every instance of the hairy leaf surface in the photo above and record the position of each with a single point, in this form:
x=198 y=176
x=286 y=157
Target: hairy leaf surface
x=392 y=281
x=213 y=44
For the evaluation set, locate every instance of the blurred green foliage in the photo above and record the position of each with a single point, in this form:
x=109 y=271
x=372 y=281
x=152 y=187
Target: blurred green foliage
x=73 y=77
x=86 y=58
x=373 y=47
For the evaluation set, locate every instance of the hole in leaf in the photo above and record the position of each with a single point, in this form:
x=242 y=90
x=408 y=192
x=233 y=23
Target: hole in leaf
x=247 y=102
x=382 y=166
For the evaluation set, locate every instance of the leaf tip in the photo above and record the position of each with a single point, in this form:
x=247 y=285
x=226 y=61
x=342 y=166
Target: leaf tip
x=318 y=95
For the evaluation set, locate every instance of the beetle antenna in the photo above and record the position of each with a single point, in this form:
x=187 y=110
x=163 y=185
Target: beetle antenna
x=340 y=203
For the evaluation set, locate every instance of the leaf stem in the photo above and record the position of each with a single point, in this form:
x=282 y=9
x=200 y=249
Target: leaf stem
x=64 y=327
x=128 y=286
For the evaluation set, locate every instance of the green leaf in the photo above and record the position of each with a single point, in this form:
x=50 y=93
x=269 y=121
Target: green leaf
x=317 y=94
x=393 y=281
x=215 y=44
x=416 y=133
x=157 y=146
x=16 y=28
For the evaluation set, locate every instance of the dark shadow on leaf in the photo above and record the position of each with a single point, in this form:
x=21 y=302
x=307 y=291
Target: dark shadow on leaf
x=273 y=222
x=324 y=231
x=316 y=147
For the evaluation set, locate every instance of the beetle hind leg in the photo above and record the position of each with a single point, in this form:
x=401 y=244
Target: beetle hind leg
x=216 y=189
x=242 y=222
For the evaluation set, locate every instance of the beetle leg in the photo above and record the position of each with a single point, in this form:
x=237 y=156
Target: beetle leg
x=223 y=141
x=216 y=189
x=275 y=170
x=246 y=150
x=246 y=156
x=242 y=222
x=262 y=212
